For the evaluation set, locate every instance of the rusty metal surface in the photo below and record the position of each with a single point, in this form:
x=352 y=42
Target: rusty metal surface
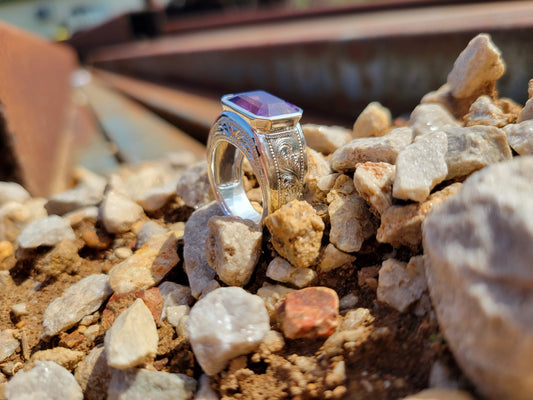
x=138 y=134
x=337 y=64
x=34 y=98
x=191 y=110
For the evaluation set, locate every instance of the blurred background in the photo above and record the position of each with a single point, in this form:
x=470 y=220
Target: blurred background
x=141 y=73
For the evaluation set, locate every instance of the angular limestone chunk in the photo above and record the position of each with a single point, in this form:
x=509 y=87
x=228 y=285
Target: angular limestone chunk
x=281 y=270
x=374 y=120
x=376 y=149
x=477 y=68
x=226 y=323
x=334 y=258
x=420 y=166
x=402 y=225
x=325 y=139
x=317 y=168
x=484 y=111
x=350 y=218
x=478 y=266
x=373 y=182
x=473 y=148
x=296 y=231
x=520 y=137
x=431 y=117
x=233 y=248
x=527 y=111
x=401 y=284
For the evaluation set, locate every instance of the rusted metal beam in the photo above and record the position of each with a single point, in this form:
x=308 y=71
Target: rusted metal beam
x=138 y=134
x=34 y=110
x=337 y=64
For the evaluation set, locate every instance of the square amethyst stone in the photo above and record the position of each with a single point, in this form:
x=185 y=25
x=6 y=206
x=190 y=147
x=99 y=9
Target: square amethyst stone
x=262 y=104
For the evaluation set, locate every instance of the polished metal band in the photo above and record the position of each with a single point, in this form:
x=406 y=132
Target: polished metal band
x=278 y=159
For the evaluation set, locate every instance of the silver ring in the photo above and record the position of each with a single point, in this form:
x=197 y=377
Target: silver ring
x=266 y=131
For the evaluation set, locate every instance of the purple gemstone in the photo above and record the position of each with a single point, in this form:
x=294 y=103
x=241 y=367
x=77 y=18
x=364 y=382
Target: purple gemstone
x=263 y=104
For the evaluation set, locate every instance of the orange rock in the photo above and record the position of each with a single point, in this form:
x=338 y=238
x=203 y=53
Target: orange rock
x=72 y=340
x=309 y=313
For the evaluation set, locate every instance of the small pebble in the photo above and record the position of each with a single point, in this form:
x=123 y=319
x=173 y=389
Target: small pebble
x=375 y=120
x=271 y=295
x=520 y=137
x=149 y=229
x=281 y=270
x=132 y=339
x=174 y=294
x=19 y=309
x=45 y=232
x=66 y=358
x=12 y=191
x=174 y=314
x=325 y=139
x=193 y=186
x=334 y=258
x=226 y=323
x=309 y=313
x=71 y=200
x=92 y=332
x=155 y=198
x=118 y=212
x=123 y=252
x=47 y=380
x=8 y=344
x=484 y=111
x=349 y=301
x=373 y=182
x=431 y=117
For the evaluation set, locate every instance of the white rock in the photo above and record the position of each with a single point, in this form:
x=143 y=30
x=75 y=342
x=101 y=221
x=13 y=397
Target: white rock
x=420 y=167
x=527 y=111
x=431 y=117
x=19 y=309
x=483 y=111
x=479 y=65
x=281 y=270
x=374 y=120
x=373 y=182
x=122 y=252
x=173 y=295
x=401 y=284
x=11 y=191
x=226 y=323
x=233 y=248
x=205 y=392
x=194 y=248
x=174 y=314
x=8 y=344
x=78 y=300
x=348 y=302
x=79 y=197
x=325 y=139
x=375 y=149
x=147 y=266
x=155 y=198
x=143 y=384
x=119 y=212
x=520 y=137
x=86 y=213
x=132 y=339
x=334 y=258
x=193 y=186
x=149 y=229
x=46 y=380
x=478 y=250
x=317 y=168
x=45 y=232
x=473 y=148
x=93 y=374
x=326 y=182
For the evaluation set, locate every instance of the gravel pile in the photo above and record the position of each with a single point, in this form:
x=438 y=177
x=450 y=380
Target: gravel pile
x=404 y=272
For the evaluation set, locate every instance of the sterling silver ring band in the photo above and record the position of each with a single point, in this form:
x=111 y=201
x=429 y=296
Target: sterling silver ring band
x=266 y=131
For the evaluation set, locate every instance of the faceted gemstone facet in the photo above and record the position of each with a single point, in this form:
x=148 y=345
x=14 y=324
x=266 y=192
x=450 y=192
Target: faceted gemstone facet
x=263 y=104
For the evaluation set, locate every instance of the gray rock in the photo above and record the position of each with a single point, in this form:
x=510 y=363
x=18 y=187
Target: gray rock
x=226 y=323
x=173 y=295
x=520 y=137
x=132 y=339
x=431 y=117
x=155 y=198
x=473 y=148
x=281 y=270
x=147 y=266
x=401 y=284
x=375 y=149
x=193 y=186
x=74 y=199
x=478 y=249
x=478 y=66
x=149 y=229
x=93 y=375
x=142 y=384
x=118 y=212
x=8 y=344
x=205 y=392
x=194 y=248
x=325 y=139
x=79 y=300
x=233 y=248
x=420 y=167
x=45 y=232
x=46 y=380
x=11 y=191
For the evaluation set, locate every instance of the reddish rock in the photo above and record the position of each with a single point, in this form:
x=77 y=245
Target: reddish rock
x=309 y=313
x=120 y=301
x=72 y=340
